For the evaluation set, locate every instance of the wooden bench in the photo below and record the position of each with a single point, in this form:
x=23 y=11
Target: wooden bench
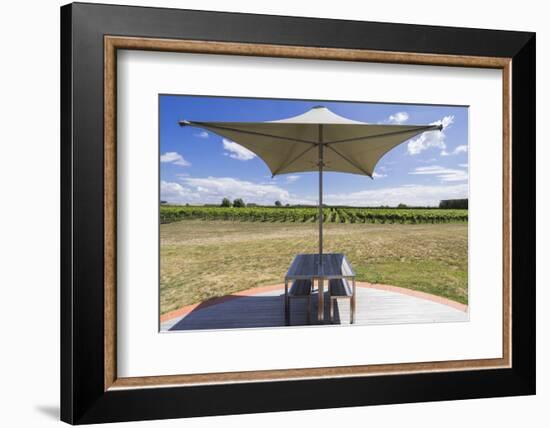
x=340 y=289
x=301 y=288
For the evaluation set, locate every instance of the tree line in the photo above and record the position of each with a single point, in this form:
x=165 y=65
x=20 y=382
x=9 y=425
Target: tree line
x=443 y=204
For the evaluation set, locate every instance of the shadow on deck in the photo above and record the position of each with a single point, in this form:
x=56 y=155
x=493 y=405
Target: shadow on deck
x=267 y=310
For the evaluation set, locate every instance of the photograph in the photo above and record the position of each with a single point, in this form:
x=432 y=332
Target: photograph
x=298 y=213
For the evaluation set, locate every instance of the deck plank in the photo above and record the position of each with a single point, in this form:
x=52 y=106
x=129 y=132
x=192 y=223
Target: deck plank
x=374 y=307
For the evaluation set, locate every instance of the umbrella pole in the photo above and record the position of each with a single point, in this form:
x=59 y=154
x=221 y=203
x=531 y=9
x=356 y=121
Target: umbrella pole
x=321 y=164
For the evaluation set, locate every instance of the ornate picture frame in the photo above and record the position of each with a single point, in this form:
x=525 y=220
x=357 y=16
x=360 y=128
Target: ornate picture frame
x=91 y=389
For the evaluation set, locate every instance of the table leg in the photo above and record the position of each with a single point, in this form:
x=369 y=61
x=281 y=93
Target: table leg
x=353 y=296
x=321 y=309
x=287 y=318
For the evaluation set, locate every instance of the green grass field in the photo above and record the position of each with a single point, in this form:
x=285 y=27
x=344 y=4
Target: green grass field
x=201 y=259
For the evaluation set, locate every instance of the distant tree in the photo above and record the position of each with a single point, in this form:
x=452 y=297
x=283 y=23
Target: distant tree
x=454 y=204
x=226 y=202
x=163 y=202
x=287 y=205
x=238 y=203
x=251 y=204
x=278 y=203
x=402 y=206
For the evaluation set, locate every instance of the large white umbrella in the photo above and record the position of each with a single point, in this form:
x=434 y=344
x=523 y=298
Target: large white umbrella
x=317 y=140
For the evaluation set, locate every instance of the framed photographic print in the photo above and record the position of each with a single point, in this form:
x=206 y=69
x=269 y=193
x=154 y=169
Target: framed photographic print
x=265 y=213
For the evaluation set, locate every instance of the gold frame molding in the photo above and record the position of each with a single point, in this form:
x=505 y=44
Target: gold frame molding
x=113 y=43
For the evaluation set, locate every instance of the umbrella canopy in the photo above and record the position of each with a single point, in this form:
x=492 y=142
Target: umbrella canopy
x=317 y=140
x=292 y=145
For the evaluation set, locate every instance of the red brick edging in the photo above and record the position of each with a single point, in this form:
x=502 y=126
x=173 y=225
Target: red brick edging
x=264 y=289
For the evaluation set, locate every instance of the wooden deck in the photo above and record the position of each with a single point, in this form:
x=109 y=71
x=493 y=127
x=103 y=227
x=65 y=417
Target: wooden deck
x=266 y=310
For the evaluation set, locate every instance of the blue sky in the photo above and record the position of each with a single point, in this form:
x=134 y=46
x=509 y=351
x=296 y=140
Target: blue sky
x=199 y=167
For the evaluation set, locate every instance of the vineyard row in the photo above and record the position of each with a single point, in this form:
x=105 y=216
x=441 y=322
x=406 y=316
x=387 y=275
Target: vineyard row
x=169 y=214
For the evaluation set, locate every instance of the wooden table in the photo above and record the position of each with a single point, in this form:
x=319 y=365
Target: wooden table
x=307 y=266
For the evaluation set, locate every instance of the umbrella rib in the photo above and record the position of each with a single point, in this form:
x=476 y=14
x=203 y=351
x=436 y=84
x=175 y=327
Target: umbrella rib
x=403 y=131
x=288 y=163
x=260 y=134
x=349 y=160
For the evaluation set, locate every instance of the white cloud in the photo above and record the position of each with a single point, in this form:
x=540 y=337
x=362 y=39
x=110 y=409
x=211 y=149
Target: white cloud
x=431 y=139
x=175 y=158
x=236 y=151
x=463 y=165
x=176 y=193
x=446 y=122
x=444 y=174
x=201 y=134
x=377 y=175
x=399 y=118
x=459 y=149
x=212 y=190
x=413 y=195
x=292 y=178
